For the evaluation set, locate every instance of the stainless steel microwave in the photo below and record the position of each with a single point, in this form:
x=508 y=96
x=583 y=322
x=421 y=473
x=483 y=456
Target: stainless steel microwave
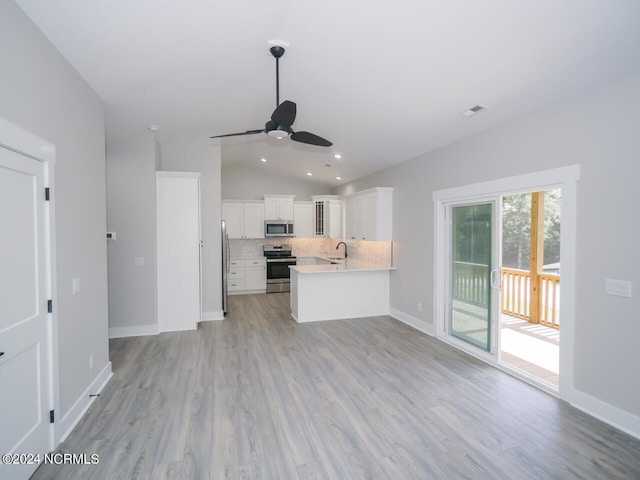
x=278 y=228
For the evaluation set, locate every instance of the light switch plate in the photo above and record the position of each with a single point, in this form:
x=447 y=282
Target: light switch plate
x=75 y=286
x=620 y=288
x=138 y=261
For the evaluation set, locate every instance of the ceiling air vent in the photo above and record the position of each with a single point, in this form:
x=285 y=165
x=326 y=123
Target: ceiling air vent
x=473 y=110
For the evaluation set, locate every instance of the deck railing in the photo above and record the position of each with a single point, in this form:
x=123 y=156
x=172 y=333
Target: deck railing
x=516 y=296
x=471 y=285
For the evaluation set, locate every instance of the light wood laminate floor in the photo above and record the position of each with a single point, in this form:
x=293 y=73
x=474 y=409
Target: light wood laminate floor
x=259 y=396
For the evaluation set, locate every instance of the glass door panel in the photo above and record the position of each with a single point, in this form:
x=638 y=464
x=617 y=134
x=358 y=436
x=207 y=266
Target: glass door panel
x=471 y=248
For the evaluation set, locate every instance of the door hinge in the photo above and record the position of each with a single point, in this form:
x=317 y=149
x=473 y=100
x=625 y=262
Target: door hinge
x=49 y=306
x=47 y=194
x=52 y=416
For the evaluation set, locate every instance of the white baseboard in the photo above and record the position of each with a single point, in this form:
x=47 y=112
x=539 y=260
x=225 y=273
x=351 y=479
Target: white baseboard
x=246 y=292
x=413 y=322
x=133 y=331
x=212 y=316
x=610 y=414
x=62 y=427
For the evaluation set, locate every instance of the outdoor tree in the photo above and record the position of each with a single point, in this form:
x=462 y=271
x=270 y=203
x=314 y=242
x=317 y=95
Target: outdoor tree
x=516 y=229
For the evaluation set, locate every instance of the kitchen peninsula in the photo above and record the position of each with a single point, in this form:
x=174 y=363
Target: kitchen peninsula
x=339 y=290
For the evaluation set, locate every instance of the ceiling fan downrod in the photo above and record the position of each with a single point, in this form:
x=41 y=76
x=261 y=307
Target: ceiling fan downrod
x=277 y=52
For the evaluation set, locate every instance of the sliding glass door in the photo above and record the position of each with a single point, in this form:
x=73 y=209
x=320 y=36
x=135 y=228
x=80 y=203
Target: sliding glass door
x=472 y=235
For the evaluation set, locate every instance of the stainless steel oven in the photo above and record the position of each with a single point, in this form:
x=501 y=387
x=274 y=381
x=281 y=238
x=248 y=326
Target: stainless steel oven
x=278 y=261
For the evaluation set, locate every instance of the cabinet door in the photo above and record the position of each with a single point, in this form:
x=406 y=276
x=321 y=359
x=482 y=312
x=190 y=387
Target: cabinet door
x=233 y=214
x=254 y=220
x=255 y=278
x=350 y=219
x=334 y=223
x=302 y=220
x=285 y=207
x=271 y=209
x=358 y=219
x=370 y=217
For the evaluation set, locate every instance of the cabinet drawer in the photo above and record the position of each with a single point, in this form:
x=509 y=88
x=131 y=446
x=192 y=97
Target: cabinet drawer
x=236 y=273
x=255 y=263
x=235 y=284
x=236 y=263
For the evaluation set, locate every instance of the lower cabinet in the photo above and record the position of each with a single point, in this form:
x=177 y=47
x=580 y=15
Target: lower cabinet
x=247 y=276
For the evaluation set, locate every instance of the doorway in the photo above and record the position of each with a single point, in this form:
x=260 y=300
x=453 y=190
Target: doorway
x=529 y=309
x=482 y=308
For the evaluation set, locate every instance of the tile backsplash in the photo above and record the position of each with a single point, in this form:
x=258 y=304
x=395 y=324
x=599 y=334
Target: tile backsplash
x=373 y=253
x=301 y=247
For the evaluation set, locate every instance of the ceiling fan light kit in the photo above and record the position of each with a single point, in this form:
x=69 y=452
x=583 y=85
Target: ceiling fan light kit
x=282 y=118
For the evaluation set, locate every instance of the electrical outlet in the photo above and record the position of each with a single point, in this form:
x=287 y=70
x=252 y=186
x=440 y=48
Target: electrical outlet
x=419 y=306
x=91 y=362
x=620 y=288
x=138 y=261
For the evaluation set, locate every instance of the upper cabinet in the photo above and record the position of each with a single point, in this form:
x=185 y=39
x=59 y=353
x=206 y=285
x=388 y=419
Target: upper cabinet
x=368 y=214
x=303 y=219
x=244 y=219
x=327 y=216
x=278 y=207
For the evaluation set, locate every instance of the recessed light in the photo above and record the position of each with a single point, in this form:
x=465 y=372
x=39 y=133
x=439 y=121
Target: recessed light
x=263 y=160
x=309 y=174
x=152 y=128
x=337 y=155
x=338 y=178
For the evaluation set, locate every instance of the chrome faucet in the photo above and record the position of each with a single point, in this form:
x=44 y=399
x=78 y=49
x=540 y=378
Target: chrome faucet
x=345 y=248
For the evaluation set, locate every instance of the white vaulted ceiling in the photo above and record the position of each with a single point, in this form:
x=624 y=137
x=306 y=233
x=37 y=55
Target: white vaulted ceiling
x=385 y=81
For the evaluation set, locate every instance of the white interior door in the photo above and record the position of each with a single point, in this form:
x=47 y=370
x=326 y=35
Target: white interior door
x=24 y=338
x=178 y=238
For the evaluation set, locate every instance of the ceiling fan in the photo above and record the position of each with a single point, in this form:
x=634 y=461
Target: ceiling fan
x=283 y=116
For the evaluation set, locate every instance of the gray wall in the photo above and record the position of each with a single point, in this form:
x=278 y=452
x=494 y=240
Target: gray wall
x=131 y=214
x=597 y=130
x=43 y=94
x=242 y=182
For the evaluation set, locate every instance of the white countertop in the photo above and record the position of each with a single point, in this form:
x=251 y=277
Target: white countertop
x=347 y=265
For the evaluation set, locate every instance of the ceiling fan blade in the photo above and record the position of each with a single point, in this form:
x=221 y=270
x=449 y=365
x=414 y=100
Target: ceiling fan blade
x=248 y=132
x=284 y=114
x=310 y=138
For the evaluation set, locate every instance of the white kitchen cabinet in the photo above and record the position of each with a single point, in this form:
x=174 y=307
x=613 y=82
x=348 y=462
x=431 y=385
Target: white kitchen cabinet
x=278 y=207
x=354 y=218
x=255 y=274
x=303 y=219
x=254 y=220
x=178 y=250
x=247 y=276
x=368 y=215
x=327 y=216
x=244 y=219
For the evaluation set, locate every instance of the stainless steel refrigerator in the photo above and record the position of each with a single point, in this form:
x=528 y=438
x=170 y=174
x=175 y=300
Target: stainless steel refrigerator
x=225 y=266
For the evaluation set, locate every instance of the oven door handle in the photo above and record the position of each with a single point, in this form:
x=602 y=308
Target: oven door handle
x=280 y=260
